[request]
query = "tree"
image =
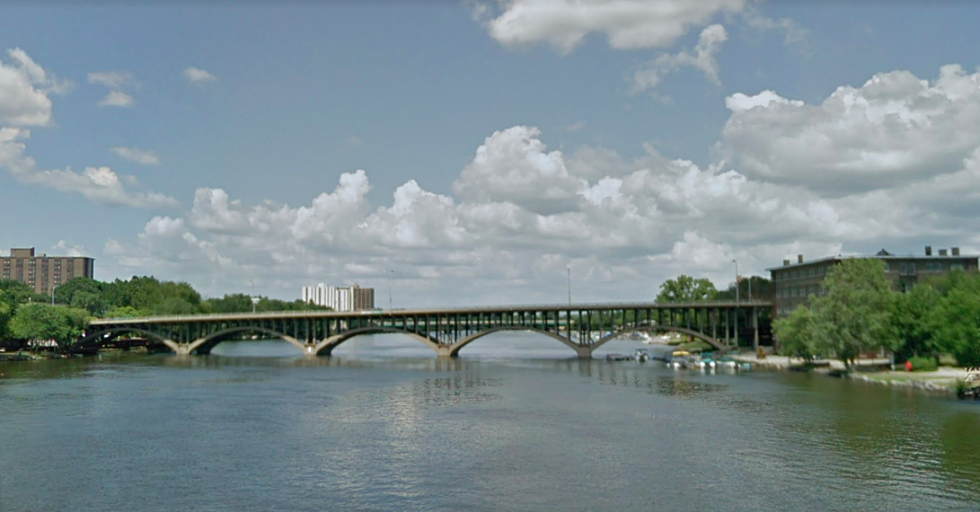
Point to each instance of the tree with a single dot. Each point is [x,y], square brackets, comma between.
[38,321]
[913,318]
[956,318]
[686,289]
[796,334]
[854,315]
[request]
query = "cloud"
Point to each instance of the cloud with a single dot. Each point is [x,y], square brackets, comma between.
[794,34]
[99,184]
[114,79]
[709,43]
[627,24]
[574,127]
[198,76]
[116,99]
[894,129]
[69,249]
[116,82]
[353,140]
[24,90]
[512,166]
[518,212]
[140,156]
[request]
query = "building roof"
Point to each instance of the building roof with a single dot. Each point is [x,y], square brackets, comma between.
[881,255]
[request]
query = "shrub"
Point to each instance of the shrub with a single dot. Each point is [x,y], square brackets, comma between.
[923,364]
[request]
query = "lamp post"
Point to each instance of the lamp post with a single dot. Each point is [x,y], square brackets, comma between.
[736,280]
[569,269]
[254,302]
[55,287]
[735,313]
[390,272]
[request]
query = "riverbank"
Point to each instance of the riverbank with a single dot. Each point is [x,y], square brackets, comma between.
[875,371]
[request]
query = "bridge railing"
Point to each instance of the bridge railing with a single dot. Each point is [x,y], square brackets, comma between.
[432,311]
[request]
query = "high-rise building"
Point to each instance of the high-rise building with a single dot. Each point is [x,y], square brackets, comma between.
[351,298]
[44,272]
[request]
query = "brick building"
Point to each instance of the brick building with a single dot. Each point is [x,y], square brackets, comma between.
[43,272]
[794,283]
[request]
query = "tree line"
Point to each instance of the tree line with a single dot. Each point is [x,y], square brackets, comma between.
[860,312]
[26,315]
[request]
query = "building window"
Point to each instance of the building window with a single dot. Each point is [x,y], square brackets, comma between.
[956,266]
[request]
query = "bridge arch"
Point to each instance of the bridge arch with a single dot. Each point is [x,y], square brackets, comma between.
[98,338]
[661,328]
[211,340]
[456,347]
[327,345]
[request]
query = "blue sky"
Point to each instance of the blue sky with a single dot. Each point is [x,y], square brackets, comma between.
[501,142]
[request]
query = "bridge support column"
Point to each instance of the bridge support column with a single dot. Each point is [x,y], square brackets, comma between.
[184,349]
[584,351]
[445,351]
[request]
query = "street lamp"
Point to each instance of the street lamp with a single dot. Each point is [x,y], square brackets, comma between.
[736,280]
[569,268]
[390,272]
[254,302]
[55,287]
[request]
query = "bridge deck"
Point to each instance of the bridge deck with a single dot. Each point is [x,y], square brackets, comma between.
[433,311]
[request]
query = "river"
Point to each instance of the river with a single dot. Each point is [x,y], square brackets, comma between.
[513,424]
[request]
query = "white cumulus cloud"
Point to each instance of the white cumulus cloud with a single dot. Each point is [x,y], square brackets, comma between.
[24,90]
[626,24]
[893,129]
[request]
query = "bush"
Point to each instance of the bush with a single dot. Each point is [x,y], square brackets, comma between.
[923,364]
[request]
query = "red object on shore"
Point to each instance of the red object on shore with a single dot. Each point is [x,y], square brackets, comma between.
[908,365]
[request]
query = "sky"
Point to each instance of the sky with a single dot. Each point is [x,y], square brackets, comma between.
[482,151]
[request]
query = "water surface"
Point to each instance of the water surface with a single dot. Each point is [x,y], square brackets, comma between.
[513,424]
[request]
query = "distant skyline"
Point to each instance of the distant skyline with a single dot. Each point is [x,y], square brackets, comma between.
[473,151]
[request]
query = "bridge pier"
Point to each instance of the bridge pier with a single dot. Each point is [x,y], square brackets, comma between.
[183,349]
[584,351]
[445,351]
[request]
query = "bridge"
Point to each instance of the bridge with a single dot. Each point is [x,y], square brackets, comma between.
[581,327]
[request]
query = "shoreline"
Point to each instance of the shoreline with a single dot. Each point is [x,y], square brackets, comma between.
[942,380]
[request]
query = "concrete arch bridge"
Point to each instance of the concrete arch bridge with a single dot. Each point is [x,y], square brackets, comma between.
[583,328]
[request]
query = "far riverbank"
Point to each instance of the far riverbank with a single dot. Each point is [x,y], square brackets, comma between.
[942,380]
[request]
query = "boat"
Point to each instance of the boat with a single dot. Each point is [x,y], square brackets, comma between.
[617,357]
[678,359]
[641,355]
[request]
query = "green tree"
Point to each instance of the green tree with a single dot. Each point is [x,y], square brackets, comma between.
[796,334]
[36,321]
[913,318]
[854,315]
[126,312]
[686,289]
[956,318]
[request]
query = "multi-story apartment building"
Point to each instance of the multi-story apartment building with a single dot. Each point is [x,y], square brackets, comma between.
[795,283]
[350,298]
[43,272]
